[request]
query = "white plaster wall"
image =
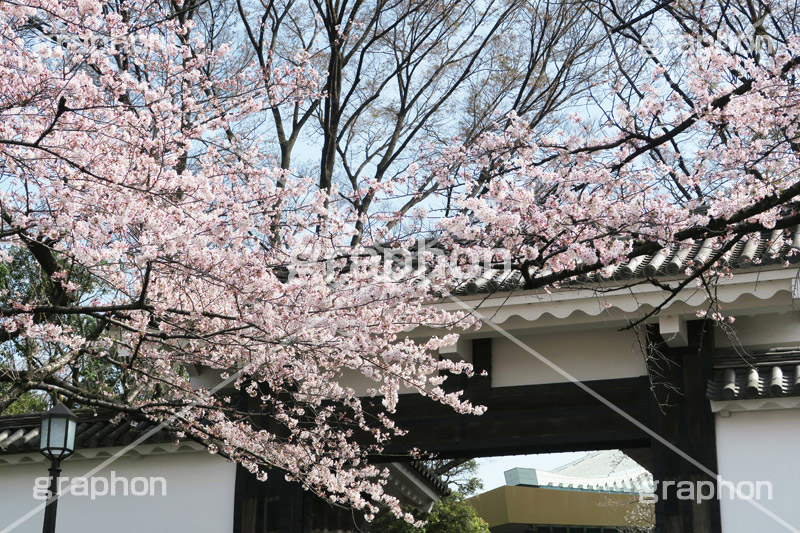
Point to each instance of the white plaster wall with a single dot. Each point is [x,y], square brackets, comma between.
[586,354]
[199,496]
[757,446]
[769,330]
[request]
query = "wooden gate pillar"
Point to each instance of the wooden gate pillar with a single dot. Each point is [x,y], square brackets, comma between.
[682,415]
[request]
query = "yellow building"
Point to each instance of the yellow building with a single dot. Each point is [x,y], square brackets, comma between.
[597,493]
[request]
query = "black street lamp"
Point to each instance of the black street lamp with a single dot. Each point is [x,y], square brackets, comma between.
[56,442]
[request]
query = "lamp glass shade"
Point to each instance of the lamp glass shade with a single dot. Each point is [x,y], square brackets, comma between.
[57,434]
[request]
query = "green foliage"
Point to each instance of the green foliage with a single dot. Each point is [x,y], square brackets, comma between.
[27,403]
[460,474]
[23,282]
[454,515]
[449,515]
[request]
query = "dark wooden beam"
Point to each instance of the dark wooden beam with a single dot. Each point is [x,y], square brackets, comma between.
[527,419]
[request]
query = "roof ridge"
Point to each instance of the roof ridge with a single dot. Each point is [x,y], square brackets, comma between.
[759,249]
[33,418]
[557,469]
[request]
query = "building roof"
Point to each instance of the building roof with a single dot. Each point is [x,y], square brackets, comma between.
[602,471]
[431,478]
[764,248]
[771,374]
[599,463]
[20,433]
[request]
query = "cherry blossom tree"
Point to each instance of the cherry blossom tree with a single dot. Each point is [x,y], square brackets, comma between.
[121,167]
[156,220]
[693,142]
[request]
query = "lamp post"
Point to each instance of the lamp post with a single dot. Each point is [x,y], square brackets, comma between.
[56,442]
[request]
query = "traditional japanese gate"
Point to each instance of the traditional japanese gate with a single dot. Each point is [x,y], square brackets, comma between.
[562,417]
[655,381]
[662,394]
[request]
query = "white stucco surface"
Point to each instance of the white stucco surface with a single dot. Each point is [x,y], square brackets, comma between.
[755,446]
[199,496]
[770,330]
[586,355]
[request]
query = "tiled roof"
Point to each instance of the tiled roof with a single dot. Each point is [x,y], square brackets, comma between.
[430,477]
[20,433]
[602,471]
[765,248]
[771,374]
